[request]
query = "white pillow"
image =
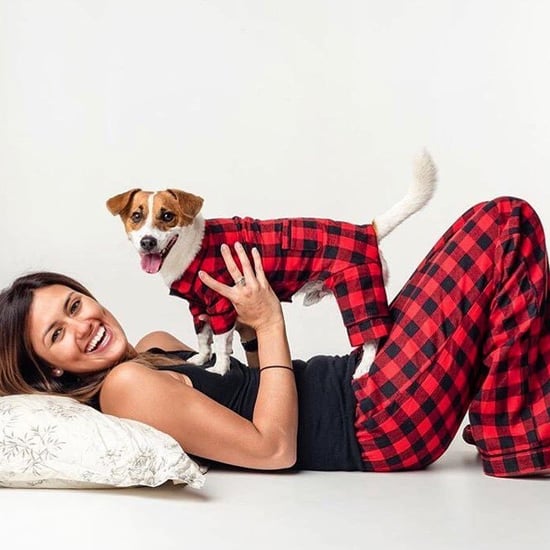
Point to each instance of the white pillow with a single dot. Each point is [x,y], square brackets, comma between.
[57,442]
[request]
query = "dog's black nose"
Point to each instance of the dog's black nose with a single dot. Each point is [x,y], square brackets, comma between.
[148,243]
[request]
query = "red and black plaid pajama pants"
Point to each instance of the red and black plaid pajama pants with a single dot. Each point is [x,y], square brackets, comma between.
[471,331]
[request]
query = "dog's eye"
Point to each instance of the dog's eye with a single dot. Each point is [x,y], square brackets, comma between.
[136,217]
[167,216]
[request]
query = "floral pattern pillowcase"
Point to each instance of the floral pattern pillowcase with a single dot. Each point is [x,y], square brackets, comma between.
[57,442]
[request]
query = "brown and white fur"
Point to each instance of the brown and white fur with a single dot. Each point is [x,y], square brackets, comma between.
[167,225]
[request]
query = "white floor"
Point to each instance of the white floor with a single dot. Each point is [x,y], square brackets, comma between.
[450,505]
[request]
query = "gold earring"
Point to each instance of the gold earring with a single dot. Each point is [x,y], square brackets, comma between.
[56,373]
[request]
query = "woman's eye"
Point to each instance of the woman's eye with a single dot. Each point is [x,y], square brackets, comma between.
[74,306]
[56,334]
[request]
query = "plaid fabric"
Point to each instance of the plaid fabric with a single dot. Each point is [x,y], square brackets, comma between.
[471,329]
[295,251]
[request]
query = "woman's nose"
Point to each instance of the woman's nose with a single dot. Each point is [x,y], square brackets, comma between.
[81,327]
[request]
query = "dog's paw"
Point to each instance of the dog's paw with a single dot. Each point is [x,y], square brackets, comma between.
[199,359]
[221,366]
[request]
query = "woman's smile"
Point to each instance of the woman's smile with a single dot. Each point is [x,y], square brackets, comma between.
[100,340]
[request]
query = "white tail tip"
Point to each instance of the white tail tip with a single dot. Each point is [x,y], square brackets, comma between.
[419,193]
[425,175]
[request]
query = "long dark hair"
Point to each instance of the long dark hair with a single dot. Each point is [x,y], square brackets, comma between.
[22,371]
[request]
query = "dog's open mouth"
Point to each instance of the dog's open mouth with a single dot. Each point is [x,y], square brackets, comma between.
[152,262]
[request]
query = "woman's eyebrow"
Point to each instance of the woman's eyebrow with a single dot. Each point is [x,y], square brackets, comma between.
[65,308]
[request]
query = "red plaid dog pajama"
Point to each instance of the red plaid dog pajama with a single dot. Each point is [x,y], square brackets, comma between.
[471,330]
[295,251]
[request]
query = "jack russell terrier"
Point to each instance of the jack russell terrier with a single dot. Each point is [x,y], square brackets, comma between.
[312,256]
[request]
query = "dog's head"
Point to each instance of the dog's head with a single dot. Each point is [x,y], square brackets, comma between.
[154,221]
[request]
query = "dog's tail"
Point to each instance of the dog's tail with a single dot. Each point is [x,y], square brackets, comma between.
[420,192]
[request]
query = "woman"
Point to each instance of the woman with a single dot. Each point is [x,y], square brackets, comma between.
[471,330]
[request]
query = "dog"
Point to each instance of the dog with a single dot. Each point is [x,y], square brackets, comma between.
[311,256]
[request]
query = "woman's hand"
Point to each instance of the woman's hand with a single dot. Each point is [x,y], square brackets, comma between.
[252,296]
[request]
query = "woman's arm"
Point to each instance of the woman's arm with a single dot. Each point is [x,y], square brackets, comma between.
[276,408]
[202,426]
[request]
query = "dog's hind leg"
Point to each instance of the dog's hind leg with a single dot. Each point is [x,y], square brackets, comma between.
[369,353]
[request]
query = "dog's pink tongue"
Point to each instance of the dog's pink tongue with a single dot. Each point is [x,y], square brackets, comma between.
[151,263]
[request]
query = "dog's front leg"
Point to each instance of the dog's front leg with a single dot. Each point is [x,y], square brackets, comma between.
[205,346]
[369,353]
[223,348]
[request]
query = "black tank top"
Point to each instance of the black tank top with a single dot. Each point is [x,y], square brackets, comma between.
[326,434]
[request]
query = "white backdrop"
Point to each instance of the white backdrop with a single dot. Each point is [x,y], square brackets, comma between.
[264,108]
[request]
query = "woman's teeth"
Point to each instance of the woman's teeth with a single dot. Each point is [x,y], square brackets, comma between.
[96,339]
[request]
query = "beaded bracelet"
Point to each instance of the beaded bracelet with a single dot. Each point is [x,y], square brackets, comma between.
[276,367]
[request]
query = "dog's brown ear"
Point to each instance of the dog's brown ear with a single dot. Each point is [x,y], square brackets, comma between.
[189,203]
[119,203]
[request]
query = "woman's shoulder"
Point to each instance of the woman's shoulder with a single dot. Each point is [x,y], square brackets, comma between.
[162,340]
[130,383]
[123,379]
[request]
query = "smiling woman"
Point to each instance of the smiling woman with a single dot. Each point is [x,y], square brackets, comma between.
[470,332]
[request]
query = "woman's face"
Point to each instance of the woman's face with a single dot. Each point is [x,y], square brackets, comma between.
[74,332]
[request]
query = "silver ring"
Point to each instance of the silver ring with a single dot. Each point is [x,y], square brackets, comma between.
[241,281]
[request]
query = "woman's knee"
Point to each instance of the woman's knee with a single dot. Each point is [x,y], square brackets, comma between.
[513,206]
